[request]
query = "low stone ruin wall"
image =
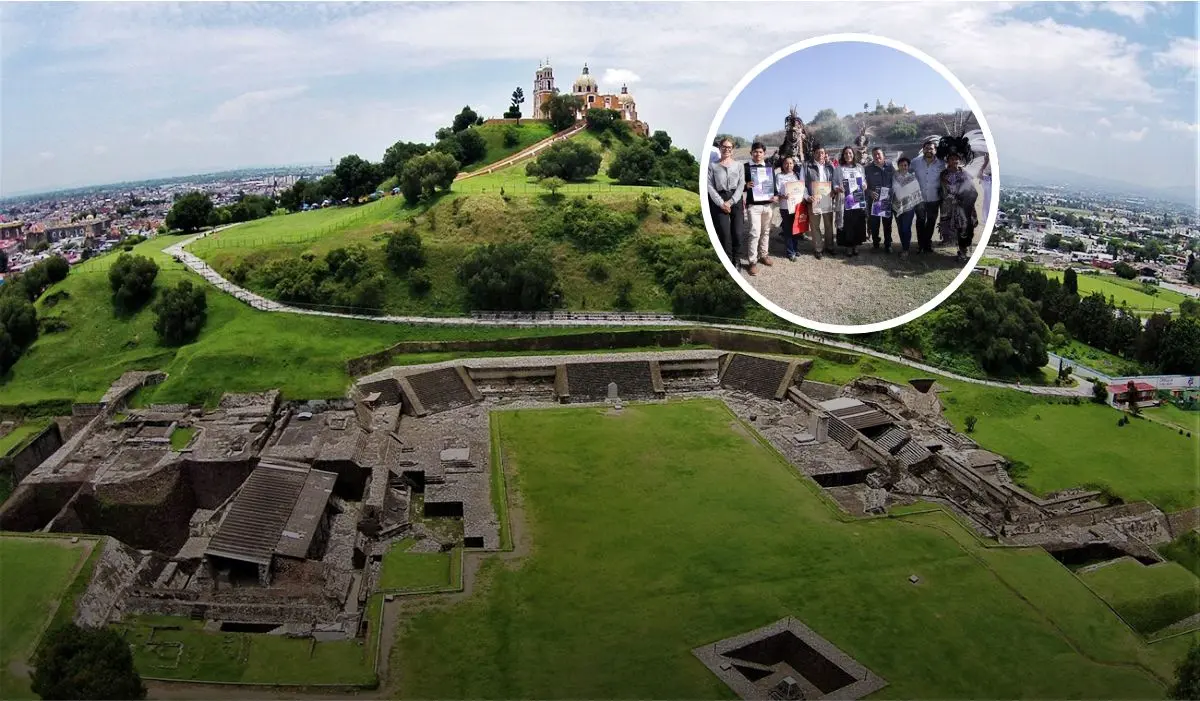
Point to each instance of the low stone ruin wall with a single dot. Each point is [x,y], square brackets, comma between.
[156,520]
[32,506]
[36,450]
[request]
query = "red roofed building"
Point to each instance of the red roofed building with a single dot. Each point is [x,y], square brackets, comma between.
[1142,392]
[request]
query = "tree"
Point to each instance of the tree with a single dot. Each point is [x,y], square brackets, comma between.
[634,164]
[85,663]
[1187,675]
[971,421]
[660,141]
[1131,392]
[1150,341]
[464,119]
[1071,281]
[553,185]
[1189,307]
[1051,241]
[590,226]
[404,251]
[472,147]
[599,120]
[3,262]
[1180,349]
[562,110]
[132,281]
[903,131]
[831,133]
[356,177]
[398,154]
[18,317]
[419,283]
[1099,392]
[424,175]
[572,160]
[704,288]
[190,212]
[1125,270]
[1001,329]
[512,137]
[181,312]
[514,110]
[824,115]
[738,142]
[510,277]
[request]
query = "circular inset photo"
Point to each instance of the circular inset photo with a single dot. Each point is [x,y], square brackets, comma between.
[849,183]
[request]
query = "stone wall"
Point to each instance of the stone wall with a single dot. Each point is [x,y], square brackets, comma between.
[157,520]
[212,482]
[32,506]
[36,450]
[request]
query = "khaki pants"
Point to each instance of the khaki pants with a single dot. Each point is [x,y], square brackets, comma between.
[760,216]
[821,228]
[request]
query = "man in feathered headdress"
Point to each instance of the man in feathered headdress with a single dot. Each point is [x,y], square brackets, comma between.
[959,194]
[928,170]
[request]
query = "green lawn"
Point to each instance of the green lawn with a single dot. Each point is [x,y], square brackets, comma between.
[661,529]
[1149,598]
[529,132]
[1064,445]
[407,571]
[1187,420]
[180,437]
[1096,359]
[1125,291]
[1185,550]
[190,653]
[23,431]
[35,574]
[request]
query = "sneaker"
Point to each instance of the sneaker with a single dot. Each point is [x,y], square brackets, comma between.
[753,269]
[791,257]
[766,260]
[887,249]
[818,255]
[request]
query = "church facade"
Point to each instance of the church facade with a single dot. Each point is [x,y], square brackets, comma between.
[588,92]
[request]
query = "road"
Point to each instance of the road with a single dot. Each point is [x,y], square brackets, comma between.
[179,252]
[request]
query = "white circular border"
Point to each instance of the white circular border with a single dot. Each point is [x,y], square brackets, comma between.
[990,215]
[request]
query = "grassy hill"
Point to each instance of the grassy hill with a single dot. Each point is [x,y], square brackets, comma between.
[529,132]
[504,206]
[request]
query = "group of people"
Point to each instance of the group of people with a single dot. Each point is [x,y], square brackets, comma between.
[841,203]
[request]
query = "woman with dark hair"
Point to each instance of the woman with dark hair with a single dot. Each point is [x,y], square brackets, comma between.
[905,209]
[851,191]
[726,185]
[787,208]
[959,195]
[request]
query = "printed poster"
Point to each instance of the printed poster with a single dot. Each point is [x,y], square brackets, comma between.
[763,182]
[853,187]
[822,197]
[882,207]
[795,192]
[906,193]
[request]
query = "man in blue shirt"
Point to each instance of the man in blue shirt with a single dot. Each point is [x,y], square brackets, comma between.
[928,170]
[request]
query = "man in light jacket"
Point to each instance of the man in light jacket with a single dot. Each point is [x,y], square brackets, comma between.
[928,169]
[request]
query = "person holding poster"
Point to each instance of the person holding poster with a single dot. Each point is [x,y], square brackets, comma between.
[786,181]
[726,188]
[851,190]
[879,186]
[959,195]
[928,170]
[906,197]
[818,182]
[760,206]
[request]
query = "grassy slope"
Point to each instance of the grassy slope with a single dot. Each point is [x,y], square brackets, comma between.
[19,434]
[1187,420]
[473,214]
[35,573]
[1096,359]
[1064,445]
[1148,597]
[631,569]
[240,349]
[528,133]
[1121,292]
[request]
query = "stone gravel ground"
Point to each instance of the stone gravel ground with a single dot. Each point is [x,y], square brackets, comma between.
[871,287]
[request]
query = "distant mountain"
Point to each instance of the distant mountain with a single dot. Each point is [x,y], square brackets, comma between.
[1019,172]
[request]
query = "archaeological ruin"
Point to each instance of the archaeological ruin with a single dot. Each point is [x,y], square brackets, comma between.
[278,512]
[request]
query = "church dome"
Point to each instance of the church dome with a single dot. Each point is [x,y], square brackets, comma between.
[585,82]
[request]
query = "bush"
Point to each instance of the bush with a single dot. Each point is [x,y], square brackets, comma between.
[570,160]
[903,131]
[1099,392]
[132,281]
[423,176]
[624,299]
[85,663]
[635,164]
[642,209]
[591,227]
[971,421]
[419,283]
[510,277]
[190,212]
[404,251]
[597,271]
[511,137]
[181,313]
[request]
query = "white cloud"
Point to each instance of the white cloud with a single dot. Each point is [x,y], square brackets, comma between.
[1179,125]
[251,103]
[1131,135]
[99,150]
[1180,53]
[1103,121]
[46,155]
[1135,11]
[616,77]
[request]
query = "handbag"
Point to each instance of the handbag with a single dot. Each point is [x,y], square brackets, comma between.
[800,221]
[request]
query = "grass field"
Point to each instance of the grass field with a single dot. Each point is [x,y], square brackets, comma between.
[1064,445]
[35,574]
[23,431]
[1187,420]
[1185,550]
[189,653]
[529,132]
[632,568]
[1125,291]
[240,349]
[1096,359]
[407,571]
[1149,598]
[180,437]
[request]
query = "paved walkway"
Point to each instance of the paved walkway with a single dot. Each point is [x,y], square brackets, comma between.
[178,251]
[527,152]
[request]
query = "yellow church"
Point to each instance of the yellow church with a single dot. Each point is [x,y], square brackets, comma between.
[586,89]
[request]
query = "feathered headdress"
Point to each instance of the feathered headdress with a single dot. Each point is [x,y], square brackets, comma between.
[958,141]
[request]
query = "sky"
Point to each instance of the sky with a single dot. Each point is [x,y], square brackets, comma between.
[879,72]
[97,92]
